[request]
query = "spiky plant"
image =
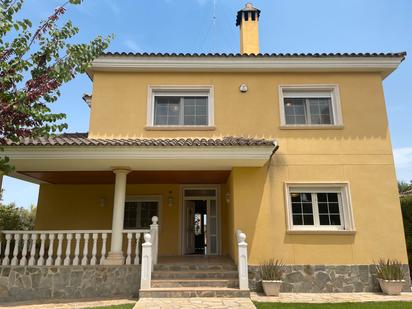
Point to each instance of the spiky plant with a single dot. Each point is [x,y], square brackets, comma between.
[390,270]
[272,270]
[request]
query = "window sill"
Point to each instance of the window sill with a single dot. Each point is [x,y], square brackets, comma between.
[180,128]
[320,232]
[311,127]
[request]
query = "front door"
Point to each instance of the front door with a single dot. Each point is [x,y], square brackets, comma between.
[201,221]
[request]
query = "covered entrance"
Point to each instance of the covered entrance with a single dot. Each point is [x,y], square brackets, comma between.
[200,229]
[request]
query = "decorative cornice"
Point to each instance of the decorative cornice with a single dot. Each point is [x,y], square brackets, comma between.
[127,63]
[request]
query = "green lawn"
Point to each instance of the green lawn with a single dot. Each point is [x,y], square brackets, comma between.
[126,306]
[380,305]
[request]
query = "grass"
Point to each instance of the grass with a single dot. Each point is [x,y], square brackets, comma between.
[125,306]
[369,305]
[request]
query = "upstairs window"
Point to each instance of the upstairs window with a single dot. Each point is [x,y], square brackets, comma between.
[174,107]
[181,111]
[310,106]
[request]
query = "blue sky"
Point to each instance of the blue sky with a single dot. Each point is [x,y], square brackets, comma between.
[285,26]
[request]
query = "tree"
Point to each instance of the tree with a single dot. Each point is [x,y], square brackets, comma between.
[403,186]
[33,65]
[16,218]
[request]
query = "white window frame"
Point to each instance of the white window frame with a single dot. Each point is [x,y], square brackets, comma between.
[345,206]
[311,91]
[146,198]
[180,90]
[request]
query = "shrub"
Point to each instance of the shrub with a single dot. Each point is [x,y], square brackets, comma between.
[272,270]
[406,206]
[390,270]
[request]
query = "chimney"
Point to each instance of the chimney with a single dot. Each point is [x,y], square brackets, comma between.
[248,21]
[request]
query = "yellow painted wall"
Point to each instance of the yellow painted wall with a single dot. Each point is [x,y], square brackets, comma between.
[359,153]
[249,37]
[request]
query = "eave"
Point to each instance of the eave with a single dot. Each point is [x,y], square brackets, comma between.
[120,63]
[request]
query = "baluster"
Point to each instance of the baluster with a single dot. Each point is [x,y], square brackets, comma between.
[23,259]
[69,238]
[32,259]
[77,250]
[137,250]
[94,249]
[85,248]
[15,249]
[58,259]
[103,256]
[6,259]
[129,248]
[40,261]
[49,260]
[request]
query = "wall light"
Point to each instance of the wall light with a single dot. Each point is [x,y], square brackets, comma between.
[102,202]
[170,199]
[228,197]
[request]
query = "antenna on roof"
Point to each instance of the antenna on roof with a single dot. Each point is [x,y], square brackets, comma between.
[214,36]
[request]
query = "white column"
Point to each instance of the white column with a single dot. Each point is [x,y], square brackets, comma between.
[154,232]
[242,261]
[115,256]
[146,269]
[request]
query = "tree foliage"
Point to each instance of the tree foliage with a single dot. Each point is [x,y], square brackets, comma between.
[16,218]
[403,186]
[34,63]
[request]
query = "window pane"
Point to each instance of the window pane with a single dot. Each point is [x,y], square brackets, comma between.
[324,219]
[167,110]
[138,215]
[297,220]
[320,110]
[328,206]
[195,110]
[295,111]
[302,209]
[307,220]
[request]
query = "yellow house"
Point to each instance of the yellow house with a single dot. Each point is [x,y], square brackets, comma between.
[291,151]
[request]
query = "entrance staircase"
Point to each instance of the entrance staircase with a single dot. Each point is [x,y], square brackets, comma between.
[195,277]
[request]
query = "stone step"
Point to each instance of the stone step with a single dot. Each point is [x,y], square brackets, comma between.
[200,266]
[198,274]
[225,283]
[193,292]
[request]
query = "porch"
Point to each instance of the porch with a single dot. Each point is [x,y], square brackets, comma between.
[132,203]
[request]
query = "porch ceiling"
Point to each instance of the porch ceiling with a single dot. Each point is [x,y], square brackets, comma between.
[134,177]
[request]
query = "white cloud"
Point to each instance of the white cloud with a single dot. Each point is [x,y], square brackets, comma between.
[403,157]
[132,45]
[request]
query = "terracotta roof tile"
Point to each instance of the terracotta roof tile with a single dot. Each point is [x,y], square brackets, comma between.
[81,139]
[262,55]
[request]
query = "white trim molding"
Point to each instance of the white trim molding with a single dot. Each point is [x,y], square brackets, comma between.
[180,90]
[383,65]
[347,225]
[307,91]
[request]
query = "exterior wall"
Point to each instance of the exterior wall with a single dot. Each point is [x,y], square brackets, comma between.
[359,153]
[20,283]
[72,207]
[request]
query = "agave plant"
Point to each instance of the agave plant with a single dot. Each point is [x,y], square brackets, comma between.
[272,270]
[390,270]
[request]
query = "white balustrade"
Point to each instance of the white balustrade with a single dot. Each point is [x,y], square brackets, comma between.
[47,248]
[242,260]
[49,260]
[85,249]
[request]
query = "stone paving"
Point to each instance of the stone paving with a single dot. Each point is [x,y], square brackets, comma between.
[330,297]
[196,302]
[66,304]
